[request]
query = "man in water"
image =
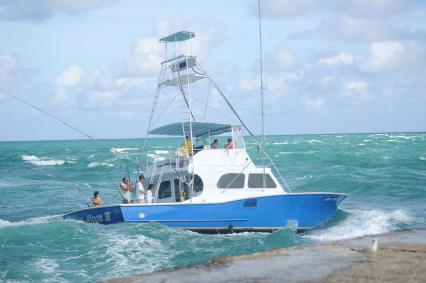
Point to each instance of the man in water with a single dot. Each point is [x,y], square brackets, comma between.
[140,192]
[126,189]
[96,199]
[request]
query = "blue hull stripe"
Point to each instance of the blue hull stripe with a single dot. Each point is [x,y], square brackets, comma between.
[296,211]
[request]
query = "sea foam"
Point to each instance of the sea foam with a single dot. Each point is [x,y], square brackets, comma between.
[96,164]
[361,223]
[43,161]
[30,221]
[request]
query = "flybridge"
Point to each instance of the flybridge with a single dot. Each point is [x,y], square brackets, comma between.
[178,36]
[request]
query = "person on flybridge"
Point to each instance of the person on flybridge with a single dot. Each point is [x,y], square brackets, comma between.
[186,146]
[230,144]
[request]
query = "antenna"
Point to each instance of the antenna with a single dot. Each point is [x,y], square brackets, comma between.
[261,96]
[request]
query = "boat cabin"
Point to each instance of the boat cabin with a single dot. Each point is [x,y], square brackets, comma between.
[212,174]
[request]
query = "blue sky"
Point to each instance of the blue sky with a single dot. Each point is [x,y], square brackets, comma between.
[330,66]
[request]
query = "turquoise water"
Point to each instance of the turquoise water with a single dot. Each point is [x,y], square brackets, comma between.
[383,174]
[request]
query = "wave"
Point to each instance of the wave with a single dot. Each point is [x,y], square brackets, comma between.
[280,143]
[30,221]
[315,141]
[158,152]
[422,158]
[97,163]
[43,161]
[123,149]
[361,223]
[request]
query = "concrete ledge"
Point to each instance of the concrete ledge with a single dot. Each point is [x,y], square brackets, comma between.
[400,257]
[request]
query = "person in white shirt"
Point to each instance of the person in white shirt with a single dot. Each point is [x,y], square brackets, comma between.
[140,192]
[149,193]
[126,189]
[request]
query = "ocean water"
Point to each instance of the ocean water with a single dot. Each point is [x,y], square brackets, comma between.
[383,174]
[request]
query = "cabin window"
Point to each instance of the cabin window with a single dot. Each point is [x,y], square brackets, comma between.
[231,181]
[256,180]
[198,184]
[165,190]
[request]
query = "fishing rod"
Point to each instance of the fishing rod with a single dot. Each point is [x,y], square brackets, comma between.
[79,192]
[70,126]
[67,124]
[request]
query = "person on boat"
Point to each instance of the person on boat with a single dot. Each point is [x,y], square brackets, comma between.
[213,145]
[149,193]
[140,192]
[96,199]
[186,146]
[126,189]
[230,144]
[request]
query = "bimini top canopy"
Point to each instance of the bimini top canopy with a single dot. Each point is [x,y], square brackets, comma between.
[179,36]
[199,129]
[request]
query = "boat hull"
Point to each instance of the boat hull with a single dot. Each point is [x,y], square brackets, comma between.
[268,213]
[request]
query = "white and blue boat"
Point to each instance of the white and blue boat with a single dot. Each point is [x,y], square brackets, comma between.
[212,190]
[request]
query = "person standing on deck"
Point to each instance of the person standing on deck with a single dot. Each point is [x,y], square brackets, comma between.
[149,193]
[140,192]
[126,189]
[213,145]
[96,199]
[186,146]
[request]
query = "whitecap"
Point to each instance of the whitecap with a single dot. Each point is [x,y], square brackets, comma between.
[361,223]
[96,164]
[158,152]
[30,221]
[44,161]
[122,149]
[315,141]
[422,158]
[46,265]
[280,143]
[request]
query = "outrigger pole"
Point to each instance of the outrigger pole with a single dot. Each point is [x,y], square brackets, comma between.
[261,96]
[66,124]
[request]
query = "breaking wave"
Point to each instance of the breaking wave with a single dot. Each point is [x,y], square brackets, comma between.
[43,161]
[123,149]
[30,221]
[97,163]
[361,223]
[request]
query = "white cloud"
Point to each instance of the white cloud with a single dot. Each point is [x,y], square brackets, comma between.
[314,103]
[369,7]
[393,56]
[356,89]
[280,58]
[341,58]
[144,59]
[42,9]
[288,8]
[70,77]
[98,99]
[273,82]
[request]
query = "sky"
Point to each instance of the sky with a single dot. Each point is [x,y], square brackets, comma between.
[329,66]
